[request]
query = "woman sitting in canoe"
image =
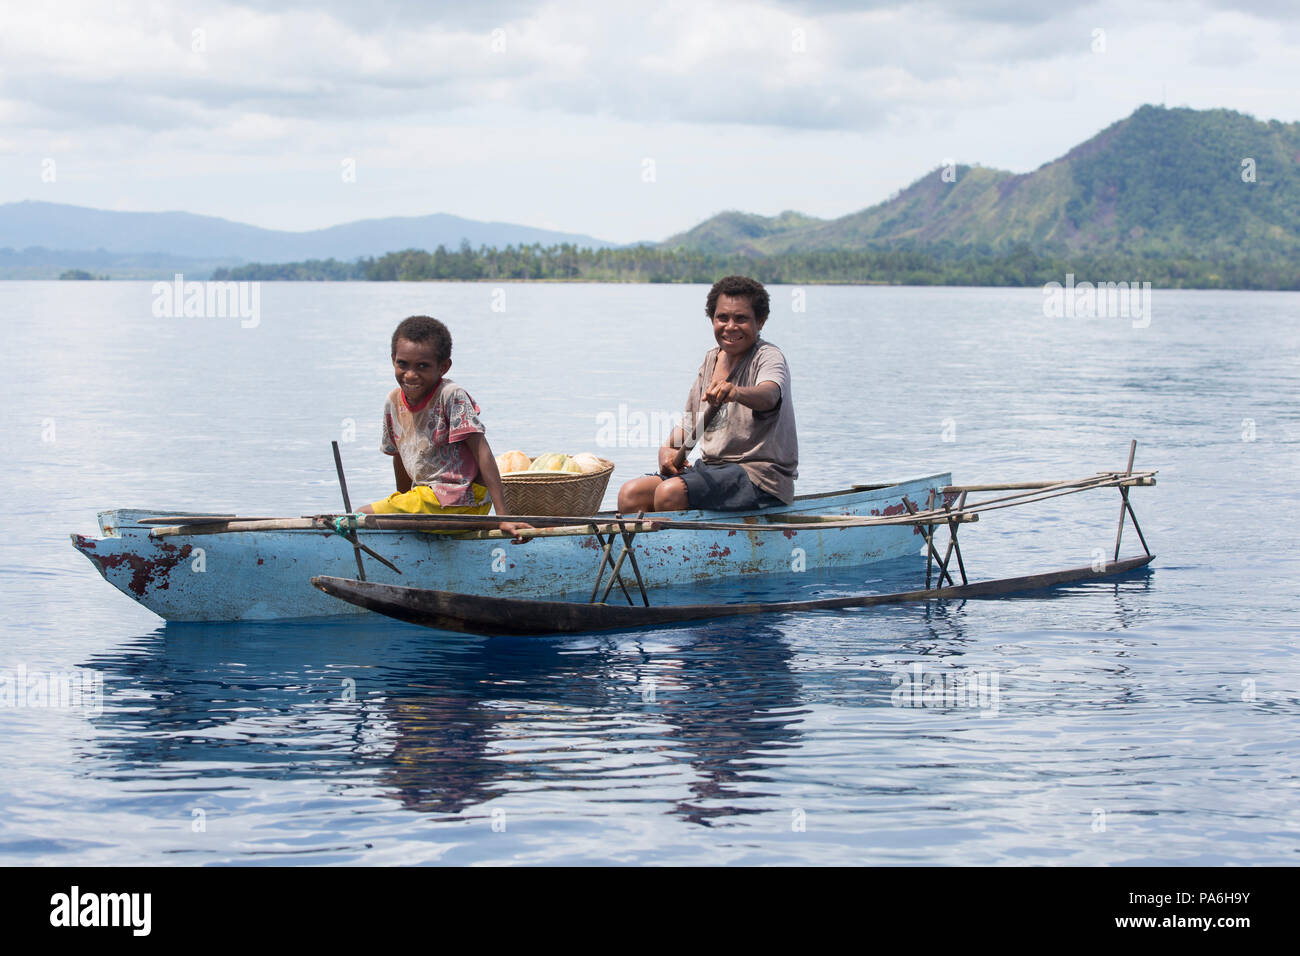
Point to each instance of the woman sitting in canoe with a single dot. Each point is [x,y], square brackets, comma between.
[750,455]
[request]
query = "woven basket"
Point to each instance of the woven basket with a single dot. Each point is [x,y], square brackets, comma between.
[555,492]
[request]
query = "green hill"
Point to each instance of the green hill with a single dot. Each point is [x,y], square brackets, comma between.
[734,231]
[1162,182]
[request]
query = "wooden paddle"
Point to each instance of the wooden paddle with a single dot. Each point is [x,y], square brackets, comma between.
[703,419]
[347,504]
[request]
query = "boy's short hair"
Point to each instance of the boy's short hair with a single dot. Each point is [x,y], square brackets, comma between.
[424,330]
[744,287]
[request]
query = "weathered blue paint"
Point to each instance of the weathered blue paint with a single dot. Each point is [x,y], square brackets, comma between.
[264,575]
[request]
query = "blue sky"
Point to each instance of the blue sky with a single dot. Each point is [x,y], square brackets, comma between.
[624,121]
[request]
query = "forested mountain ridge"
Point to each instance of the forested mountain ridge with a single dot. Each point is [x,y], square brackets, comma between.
[1168,182]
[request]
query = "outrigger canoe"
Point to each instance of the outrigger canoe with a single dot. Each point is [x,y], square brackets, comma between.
[498,615]
[186,566]
[457,572]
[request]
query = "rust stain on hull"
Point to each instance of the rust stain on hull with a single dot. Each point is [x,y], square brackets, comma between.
[144,571]
[898,509]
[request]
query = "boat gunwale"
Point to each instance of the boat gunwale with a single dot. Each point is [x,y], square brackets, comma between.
[111,518]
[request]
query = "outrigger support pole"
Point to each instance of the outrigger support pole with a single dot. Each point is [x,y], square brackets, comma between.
[1127,508]
[606,545]
[928,532]
[615,575]
[953,525]
[631,553]
[931,552]
[628,551]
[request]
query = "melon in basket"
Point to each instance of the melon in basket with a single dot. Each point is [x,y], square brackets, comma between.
[513,461]
[554,461]
[588,462]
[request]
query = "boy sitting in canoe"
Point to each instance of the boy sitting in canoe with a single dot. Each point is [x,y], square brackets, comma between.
[750,454]
[432,430]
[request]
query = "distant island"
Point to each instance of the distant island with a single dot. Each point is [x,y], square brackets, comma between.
[1180,198]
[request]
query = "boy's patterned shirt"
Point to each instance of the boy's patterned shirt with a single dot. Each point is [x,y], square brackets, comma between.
[431,440]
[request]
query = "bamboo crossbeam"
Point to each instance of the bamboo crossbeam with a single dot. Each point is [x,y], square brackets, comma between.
[481,527]
[249,524]
[833,522]
[1012,501]
[1137,478]
[560,531]
[487,528]
[484,526]
[1068,487]
[807,519]
[427,522]
[1030,497]
[777,521]
[823,522]
[643,524]
[650,524]
[200,519]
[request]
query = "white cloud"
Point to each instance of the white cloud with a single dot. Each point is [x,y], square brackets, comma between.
[252,118]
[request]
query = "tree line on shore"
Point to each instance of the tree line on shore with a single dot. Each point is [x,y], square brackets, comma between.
[933,264]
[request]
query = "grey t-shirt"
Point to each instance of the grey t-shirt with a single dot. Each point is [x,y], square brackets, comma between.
[763,443]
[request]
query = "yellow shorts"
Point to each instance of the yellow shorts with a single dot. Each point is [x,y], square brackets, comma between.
[421,500]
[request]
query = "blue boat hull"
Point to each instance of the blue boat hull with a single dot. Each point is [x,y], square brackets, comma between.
[265,575]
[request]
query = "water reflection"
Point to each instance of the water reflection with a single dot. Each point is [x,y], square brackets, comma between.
[735,703]
[700,718]
[441,722]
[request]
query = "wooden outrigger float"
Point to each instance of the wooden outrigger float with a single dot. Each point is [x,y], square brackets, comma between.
[949,509]
[474,614]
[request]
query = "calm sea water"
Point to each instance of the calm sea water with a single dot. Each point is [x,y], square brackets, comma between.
[1148,721]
